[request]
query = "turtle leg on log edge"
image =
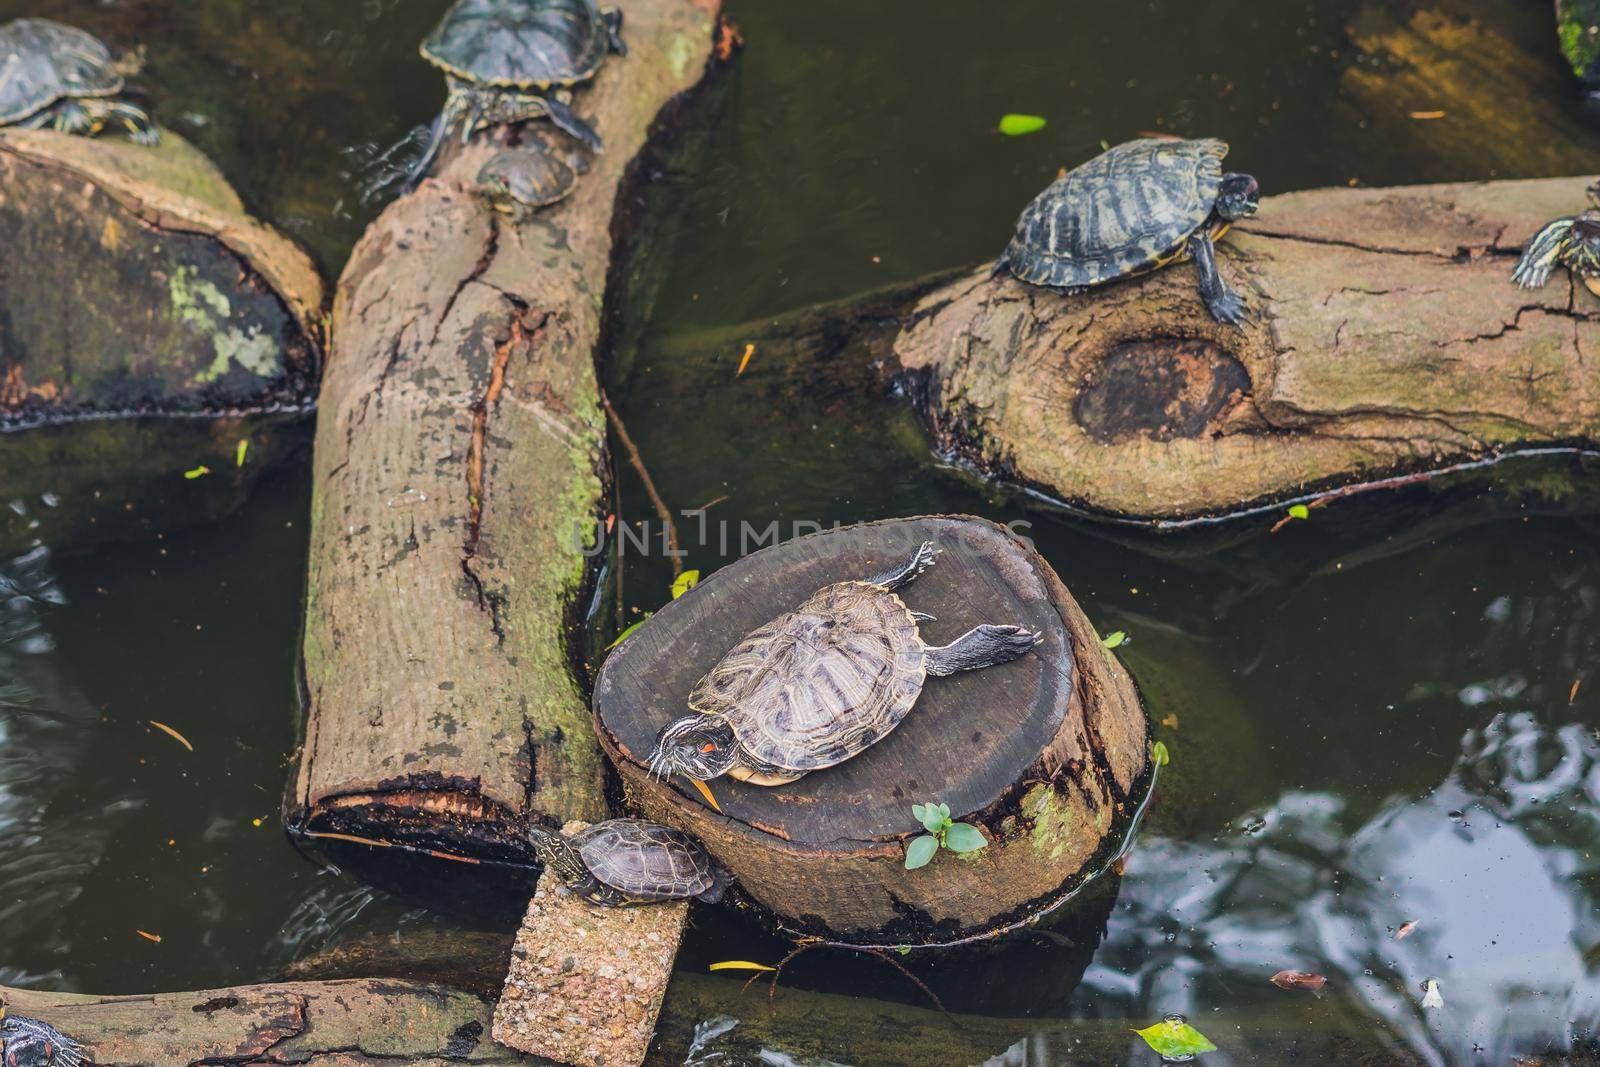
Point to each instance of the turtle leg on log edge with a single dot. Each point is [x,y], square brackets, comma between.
[988,645]
[897,577]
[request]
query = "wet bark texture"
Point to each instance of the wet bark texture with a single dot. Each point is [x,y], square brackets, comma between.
[1042,752]
[356,1022]
[134,283]
[1386,336]
[458,474]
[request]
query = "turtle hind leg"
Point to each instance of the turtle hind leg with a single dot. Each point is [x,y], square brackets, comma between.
[1543,253]
[895,577]
[720,881]
[613,21]
[1225,305]
[567,120]
[133,119]
[982,646]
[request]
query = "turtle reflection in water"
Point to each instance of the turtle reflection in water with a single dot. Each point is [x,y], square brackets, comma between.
[59,77]
[510,61]
[1572,241]
[1134,209]
[28,1042]
[820,684]
[630,861]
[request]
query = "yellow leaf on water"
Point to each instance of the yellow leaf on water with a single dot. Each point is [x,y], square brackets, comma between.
[197,472]
[684,582]
[1171,721]
[749,350]
[1425,115]
[239,453]
[739,965]
[148,936]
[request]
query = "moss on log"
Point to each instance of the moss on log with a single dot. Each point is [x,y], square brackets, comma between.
[1043,752]
[458,471]
[134,283]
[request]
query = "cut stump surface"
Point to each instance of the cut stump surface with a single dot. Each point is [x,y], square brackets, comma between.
[1041,752]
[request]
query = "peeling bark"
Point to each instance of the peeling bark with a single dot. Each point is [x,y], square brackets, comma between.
[1042,753]
[458,475]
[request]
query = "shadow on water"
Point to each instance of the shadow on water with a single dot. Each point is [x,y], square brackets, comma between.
[1382,715]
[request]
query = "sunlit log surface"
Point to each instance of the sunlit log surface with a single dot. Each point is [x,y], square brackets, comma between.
[458,472]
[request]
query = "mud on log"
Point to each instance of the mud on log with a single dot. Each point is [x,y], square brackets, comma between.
[458,470]
[1043,752]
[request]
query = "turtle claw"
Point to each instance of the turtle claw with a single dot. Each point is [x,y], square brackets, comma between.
[1228,308]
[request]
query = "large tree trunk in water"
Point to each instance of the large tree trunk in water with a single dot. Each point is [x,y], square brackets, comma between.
[1043,753]
[458,474]
[1386,340]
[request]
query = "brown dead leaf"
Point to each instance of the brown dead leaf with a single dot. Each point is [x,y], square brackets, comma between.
[170,732]
[1171,721]
[1298,980]
[1427,115]
[1405,928]
[1119,865]
[148,936]
[729,39]
[1572,697]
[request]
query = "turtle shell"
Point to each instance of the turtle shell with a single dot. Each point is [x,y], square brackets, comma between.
[646,860]
[43,61]
[1128,210]
[817,685]
[534,178]
[519,44]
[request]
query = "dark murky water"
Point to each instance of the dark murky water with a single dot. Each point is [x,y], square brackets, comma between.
[1377,717]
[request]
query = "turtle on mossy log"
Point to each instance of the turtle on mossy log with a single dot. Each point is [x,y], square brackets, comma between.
[1044,754]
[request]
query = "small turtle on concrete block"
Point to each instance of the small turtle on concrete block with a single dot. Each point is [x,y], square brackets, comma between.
[585,984]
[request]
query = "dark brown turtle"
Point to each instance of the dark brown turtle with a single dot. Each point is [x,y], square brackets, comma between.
[630,861]
[820,684]
[519,181]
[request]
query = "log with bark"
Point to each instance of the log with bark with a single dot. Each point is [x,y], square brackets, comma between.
[1043,753]
[458,474]
[1387,340]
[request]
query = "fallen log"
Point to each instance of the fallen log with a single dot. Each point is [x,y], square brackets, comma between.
[133,283]
[458,474]
[1043,753]
[1387,341]
[377,1021]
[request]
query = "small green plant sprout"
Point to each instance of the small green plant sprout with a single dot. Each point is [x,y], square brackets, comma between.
[1115,639]
[684,582]
[241,451]
[958,837]
[1174,1039]
[1159,754]
[1014,125]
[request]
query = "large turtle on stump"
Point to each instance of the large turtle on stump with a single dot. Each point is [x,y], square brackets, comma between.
[62,78]
[630,861]
[509,61]
[820,684]
[1130,210]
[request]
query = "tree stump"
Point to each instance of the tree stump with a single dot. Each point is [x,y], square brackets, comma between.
[133,283]
[1042,753]
[458,478]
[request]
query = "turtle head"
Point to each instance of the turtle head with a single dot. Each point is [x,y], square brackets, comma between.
[1583,251]
[699,747]
[556,853]
[1238,197]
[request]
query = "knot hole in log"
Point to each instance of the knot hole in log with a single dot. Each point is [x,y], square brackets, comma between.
[1160,388]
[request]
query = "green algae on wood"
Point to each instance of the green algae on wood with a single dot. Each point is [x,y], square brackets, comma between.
[134,284]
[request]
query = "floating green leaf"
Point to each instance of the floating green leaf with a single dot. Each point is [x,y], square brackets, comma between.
[684,582]
[964,837]
[1159,755]
[1105,145]
[1299,511]
[623,636]
[1173,1038]
[239,452]
[1114,639]
[920,851]
[197,472]
[1014,125]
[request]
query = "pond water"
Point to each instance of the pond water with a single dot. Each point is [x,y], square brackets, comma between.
[1384,716]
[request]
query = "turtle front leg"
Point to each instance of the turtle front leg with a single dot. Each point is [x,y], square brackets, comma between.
[1224,304]
[895,577]
[1543,253]
[141,130]
[68,116]
[613,20]
[567,119]
[982,646]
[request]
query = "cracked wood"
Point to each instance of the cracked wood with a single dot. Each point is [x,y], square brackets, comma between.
[458,474]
